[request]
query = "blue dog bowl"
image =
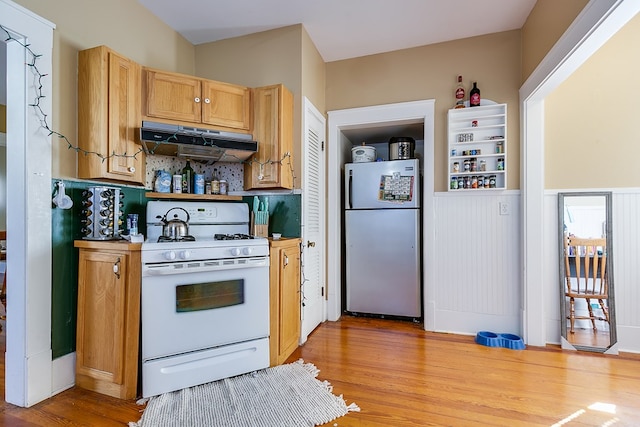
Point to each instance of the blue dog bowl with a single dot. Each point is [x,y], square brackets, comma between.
[489,339]
[512,341]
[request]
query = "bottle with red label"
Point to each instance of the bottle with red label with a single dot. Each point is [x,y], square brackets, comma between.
[460,94]
[474,96]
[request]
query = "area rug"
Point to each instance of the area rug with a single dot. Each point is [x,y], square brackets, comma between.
[285,395]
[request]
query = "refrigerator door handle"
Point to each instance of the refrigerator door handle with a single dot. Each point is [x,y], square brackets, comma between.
[350,189]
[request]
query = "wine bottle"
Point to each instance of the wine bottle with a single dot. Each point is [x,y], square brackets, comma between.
[459,94]
[187,178]
[474,96]
[215,182]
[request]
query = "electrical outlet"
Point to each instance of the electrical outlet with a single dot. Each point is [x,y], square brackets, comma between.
[504,208]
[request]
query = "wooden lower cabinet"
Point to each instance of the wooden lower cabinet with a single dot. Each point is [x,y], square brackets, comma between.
[285,298]
[108,326]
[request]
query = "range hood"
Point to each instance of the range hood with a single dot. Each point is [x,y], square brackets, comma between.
[196,143]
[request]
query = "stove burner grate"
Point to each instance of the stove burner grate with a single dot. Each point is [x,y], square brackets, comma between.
[163,239]
[237,236]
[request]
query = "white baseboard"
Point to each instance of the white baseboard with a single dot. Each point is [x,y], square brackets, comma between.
[63,373]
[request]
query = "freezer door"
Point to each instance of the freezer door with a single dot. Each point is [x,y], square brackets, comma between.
[382,185]
[383,262]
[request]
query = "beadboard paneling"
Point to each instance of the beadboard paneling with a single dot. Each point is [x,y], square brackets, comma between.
[478,274]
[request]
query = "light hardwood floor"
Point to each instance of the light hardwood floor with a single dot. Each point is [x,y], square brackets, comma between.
[400,375]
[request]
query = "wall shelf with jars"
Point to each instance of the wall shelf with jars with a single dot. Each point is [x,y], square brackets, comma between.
[477,154]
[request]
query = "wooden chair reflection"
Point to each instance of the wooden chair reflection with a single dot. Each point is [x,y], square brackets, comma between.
[586,278]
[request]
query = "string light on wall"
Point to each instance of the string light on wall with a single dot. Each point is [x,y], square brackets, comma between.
[39,77]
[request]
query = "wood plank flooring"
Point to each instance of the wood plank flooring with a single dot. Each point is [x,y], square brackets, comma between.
[400,375]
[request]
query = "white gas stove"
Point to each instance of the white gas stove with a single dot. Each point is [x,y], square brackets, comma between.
[205,297]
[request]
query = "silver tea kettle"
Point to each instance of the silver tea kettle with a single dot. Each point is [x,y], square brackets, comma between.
[174,228]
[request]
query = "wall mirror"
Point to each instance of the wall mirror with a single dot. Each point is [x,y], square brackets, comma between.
[587,303]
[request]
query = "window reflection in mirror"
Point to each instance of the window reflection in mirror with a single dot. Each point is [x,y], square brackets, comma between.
[588,301]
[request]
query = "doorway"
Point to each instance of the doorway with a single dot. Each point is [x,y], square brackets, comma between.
[28,378]
[343,122]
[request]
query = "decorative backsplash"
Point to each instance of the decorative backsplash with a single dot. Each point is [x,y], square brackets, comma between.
[233,173]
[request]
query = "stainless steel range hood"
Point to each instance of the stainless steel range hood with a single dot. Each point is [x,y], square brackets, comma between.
[196,143]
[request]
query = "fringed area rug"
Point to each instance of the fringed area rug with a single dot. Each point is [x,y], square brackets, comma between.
[285,395]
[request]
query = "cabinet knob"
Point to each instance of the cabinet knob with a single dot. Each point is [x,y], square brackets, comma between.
[132,169]
[116,268]
[311,244]
[207,101]
[197,99]
[285,261]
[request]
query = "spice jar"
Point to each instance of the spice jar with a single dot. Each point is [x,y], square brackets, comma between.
[454,183]
[483,165]
[474,164]
[467,165]
[500,165]
[456,167]
[492,181]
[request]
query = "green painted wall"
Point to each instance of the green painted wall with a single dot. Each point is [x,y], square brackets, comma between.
[285,213]
[64,260]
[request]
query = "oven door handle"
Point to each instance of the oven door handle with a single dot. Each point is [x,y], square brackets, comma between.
[183,268]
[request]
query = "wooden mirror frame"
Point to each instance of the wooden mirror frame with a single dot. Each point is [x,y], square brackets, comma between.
[566,345]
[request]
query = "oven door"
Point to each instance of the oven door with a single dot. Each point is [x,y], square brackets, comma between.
[192,309]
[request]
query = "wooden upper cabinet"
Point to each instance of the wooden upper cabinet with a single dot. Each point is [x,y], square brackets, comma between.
[188,100]
[172,96]
[109,117]
[226,105]
[272,165]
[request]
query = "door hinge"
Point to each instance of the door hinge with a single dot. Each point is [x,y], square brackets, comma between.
[322,146]
[322,291]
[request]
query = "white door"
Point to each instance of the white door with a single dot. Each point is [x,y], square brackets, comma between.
[313,221]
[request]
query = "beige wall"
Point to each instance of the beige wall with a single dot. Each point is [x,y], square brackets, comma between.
[546,23]
[591,120]
[429,72]
[123,25]
[313,73]
[282,55]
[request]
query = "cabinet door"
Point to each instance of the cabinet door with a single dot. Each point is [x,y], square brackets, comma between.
[124,117]
[108,117]
[100,341]
[272,165]
[226,105]
[284,299]
[289,301]
[173,96]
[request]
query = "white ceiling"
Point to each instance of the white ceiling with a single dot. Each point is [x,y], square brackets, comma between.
[343,29]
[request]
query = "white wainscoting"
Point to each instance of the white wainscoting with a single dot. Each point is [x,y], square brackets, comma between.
[626,266]
[478,278]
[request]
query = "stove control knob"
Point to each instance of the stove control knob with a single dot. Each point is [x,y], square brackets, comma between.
[170,255]
[235,251]
[247,251]
[185,254]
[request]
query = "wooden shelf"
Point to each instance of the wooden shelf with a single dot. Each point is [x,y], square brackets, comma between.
[184,196]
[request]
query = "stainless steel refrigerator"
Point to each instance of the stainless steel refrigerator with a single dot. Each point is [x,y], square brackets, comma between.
[382,233]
